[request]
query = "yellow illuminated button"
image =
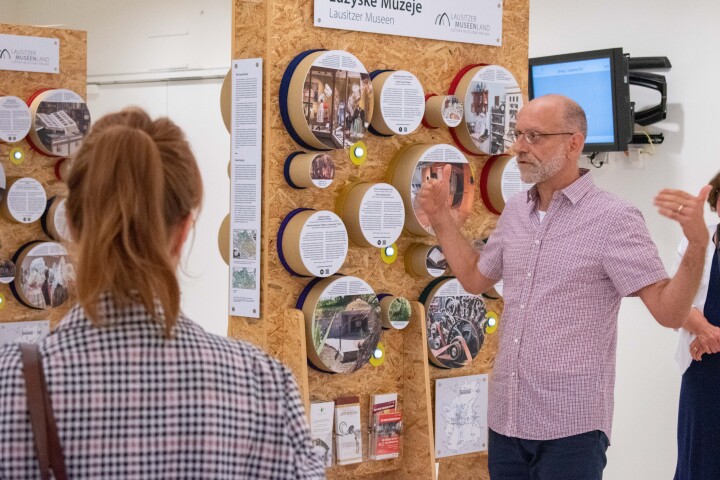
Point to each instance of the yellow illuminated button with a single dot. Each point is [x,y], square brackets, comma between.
[491,322]
[358,153]
[17,156]
[389,254]
[378,356]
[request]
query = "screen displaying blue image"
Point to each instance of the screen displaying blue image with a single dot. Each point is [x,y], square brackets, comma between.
[589,83]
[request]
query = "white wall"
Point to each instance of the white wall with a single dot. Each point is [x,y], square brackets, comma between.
[133,36]
[161,38]
[643,444]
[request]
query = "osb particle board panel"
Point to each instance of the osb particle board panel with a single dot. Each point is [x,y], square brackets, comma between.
[278,31]
[73,76]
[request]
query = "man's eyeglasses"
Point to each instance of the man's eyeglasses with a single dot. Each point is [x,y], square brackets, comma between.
[532,137]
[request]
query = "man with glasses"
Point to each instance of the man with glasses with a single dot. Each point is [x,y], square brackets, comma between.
[567,253]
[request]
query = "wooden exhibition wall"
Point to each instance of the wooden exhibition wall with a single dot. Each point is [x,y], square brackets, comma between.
[72,76]
[277,31]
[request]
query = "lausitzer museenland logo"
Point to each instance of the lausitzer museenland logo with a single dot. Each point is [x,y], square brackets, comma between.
[4,53]
[442,19]
[462,23]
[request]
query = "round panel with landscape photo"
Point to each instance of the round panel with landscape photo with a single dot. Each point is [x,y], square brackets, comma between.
[396,312]
[417,164]
[330,101]
[455,323]
[44,275]
[343,323]
[491,101]
[60,121]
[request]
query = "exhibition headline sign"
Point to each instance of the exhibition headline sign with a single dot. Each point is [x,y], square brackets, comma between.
[467,21]
[29,54]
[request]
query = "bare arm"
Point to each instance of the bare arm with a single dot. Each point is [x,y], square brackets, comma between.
[459,253]
[708,335]
[669,301]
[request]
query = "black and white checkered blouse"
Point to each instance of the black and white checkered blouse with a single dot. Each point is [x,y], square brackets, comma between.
[130,403]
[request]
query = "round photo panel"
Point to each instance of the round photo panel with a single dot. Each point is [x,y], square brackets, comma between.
[500,180]
[327,99]
[491,100]
[14,119]
[54,220]
[417,164]
[24,200]
[44,275]
[308,170]
[7,271]
[443,111]
[426,260]
[396,311]
[399,103]
[455,323]
[373,213]
[312,243]
[342,323]
[60,121]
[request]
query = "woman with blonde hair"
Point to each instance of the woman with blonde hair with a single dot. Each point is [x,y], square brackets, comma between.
[137,389]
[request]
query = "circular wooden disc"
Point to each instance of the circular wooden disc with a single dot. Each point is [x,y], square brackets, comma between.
[226,100]
[342,323]
[15,123]
[491,100]
[372,212]
[416,164]
[500,180]
[329,107]
[396,312]
[54,220]
[224,239]
[24,200]
[443,111]
[3,183]
[60,121]
[399,103]
[62,169]
[314,243]
[44,275]
[455,322]
[309,170]
[7,271]
[424,260]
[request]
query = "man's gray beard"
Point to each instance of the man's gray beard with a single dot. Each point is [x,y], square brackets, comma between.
[542,171]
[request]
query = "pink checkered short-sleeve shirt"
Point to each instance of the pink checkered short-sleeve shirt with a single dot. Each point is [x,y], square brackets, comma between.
[563,280]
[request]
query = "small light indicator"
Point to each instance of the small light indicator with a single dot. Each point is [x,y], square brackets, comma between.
[378,353]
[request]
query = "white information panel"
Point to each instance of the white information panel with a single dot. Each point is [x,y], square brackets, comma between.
[323,244]
[402,102]
[14,119]
[246,187]
[29,54]
[511,181]
[467,21]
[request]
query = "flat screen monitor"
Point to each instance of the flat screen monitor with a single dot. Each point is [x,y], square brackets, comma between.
[598,81]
